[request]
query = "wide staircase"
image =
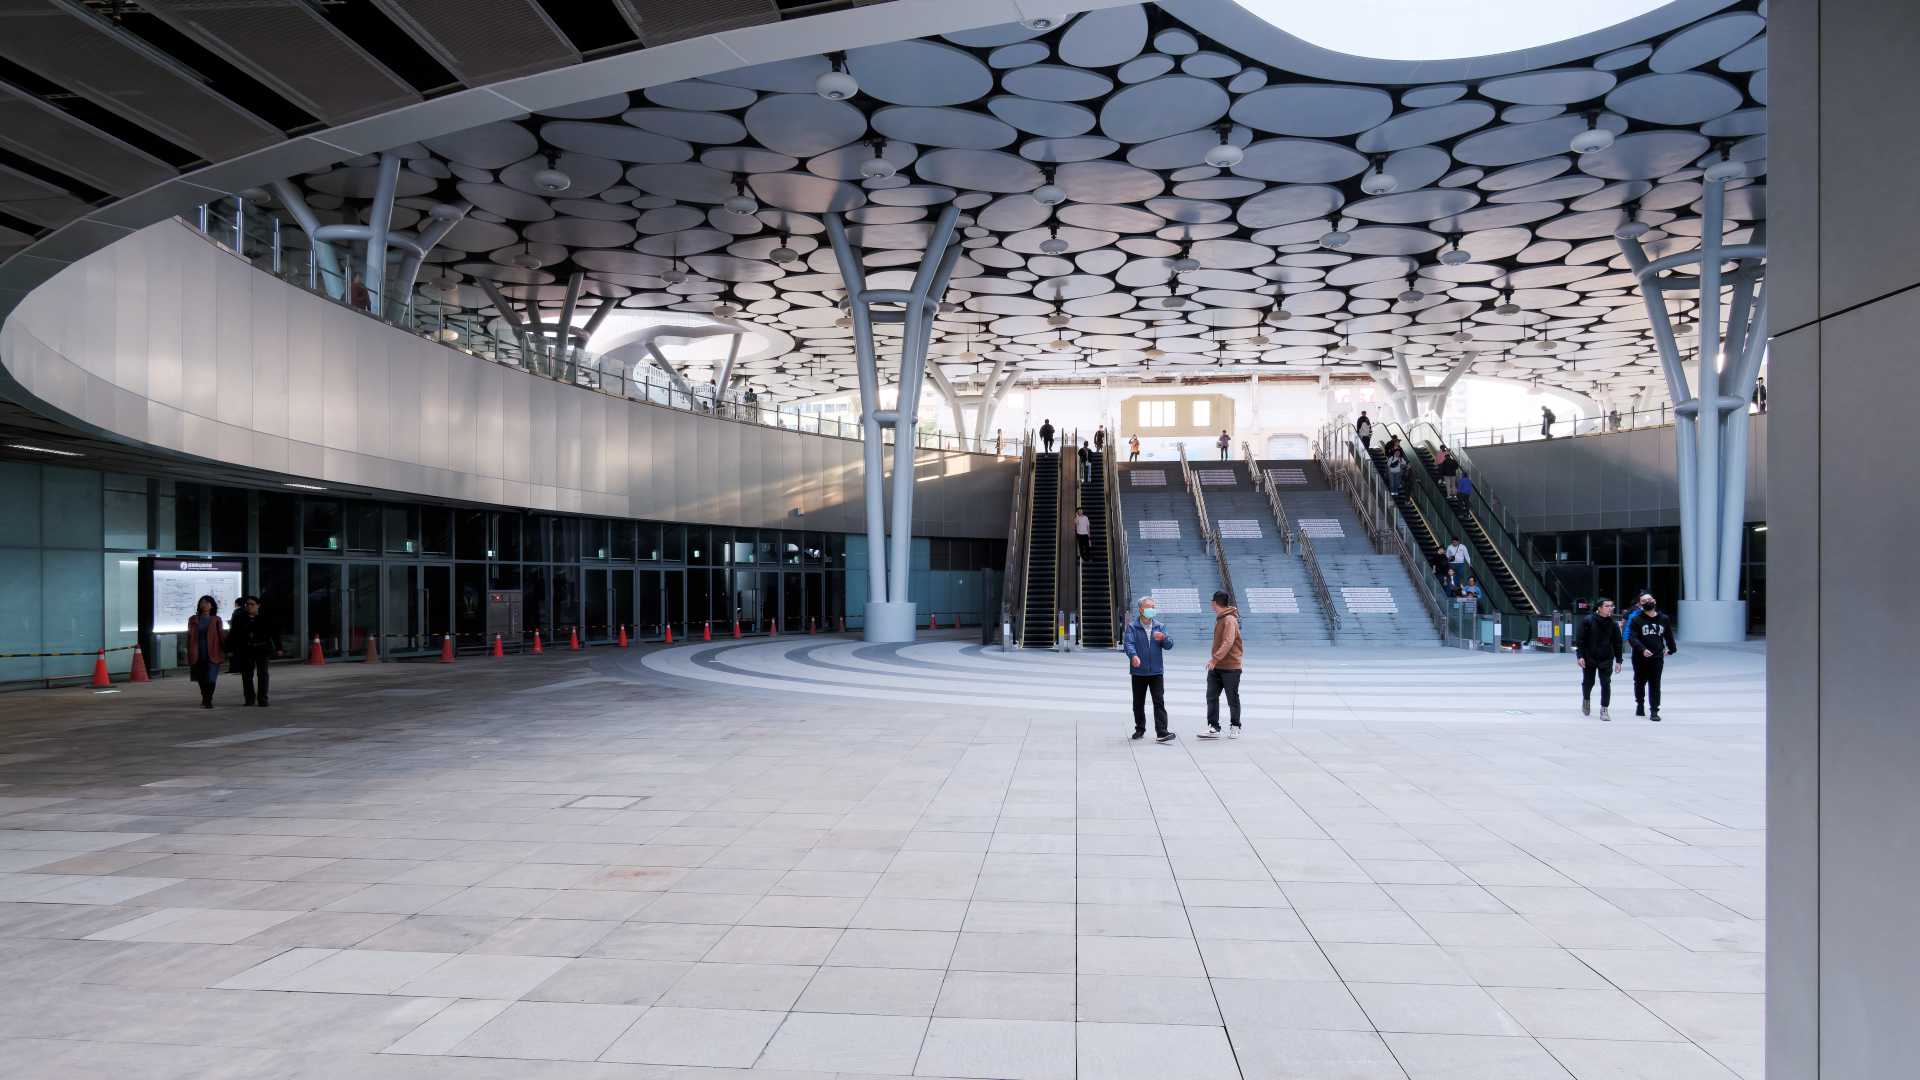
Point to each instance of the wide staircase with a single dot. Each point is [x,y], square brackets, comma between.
[1276,597]
[1043,555]
[1372,593]
[1167,557]
[1096,570]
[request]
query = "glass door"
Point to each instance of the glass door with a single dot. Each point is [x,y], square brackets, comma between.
[436,602]
[622,612]
[326,606]
[599,626]
[400,630]
[363,605]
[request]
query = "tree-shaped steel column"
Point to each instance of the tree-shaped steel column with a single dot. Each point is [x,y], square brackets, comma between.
[1710,426]
[890,615]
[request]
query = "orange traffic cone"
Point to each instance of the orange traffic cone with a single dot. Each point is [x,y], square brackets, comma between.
[933,622]
[736,629]
[314,656]
[139,668]
[373,649]
[669,634]
[537,649]
[623,635]
[573,639]
[499,647]
[446,648]
[706,631]
[773,627]
[100,676]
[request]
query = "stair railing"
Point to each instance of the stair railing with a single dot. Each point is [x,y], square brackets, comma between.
[1308,557]
[1448,525]
[1494,520]
[1067,588]
[1013,586]
[1348,465]
[1117,548]
[1209,533]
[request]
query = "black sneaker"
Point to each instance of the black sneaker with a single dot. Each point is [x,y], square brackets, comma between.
[1655,717]
[1586,707]
[1639,710]
[1139,734]
[1165,737]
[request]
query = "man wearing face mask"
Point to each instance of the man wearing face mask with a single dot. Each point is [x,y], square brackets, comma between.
[1145,640]
[1651,642]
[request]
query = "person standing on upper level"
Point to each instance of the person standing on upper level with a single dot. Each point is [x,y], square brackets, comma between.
[1225,444]
[1133,448]
[1046,436]
[1145,640]
[1363,427]
[1546,422]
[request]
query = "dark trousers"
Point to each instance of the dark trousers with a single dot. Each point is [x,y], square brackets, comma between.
[1223,453]
[1133,455]
[1602,670]
[1646,681]
[252,669]
[205,675]
[1366,439]
[1143,685]
[1220,679]
[1086,544]
[1046,442]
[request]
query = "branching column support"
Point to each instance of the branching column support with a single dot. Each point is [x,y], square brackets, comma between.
[331,280]
[1710,425]
[945,386]
[890,615]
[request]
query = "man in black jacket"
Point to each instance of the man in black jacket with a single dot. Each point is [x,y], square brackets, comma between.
[1652,641]
[1046,436]
[1597,649]
[252,641]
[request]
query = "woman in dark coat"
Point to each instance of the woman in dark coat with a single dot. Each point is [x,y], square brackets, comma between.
[205,647]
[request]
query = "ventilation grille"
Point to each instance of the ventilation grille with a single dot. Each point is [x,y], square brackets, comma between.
[87,57]
[65,145]
[660,21]
[484,41]
[293,49]
[30,200]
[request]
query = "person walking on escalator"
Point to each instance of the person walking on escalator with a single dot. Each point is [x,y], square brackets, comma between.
[1082,532]
[1396,473]
[1100,439]
[1223,667]
[1145,640]
[1363,427]
[1046,436]
[206,647]
[1086,462]
[1651,641]
[1448,466]
[1463,488]
[1457,558]
[1597,649]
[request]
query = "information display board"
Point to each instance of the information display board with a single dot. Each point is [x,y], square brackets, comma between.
[178,584]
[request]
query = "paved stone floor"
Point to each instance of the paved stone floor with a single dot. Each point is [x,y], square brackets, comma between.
[809,858]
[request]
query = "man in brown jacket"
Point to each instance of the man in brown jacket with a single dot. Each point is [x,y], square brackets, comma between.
[1223,667]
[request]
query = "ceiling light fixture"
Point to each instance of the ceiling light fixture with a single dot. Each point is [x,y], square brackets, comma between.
[1048,193]
[674,275]
[1378,181]
[1058,318]
[878,167]
[526,260]
[1453,256]
[1507,306]
[551,178]
[1185,263]
[44,450]
[836,84]
[1725,168]
[1225,155]
[303,487]
[1041,22]
[1335,236]
[1632,228]
[741,203]
[783,254]
[1594,139]
[1412,295]
[1053,245]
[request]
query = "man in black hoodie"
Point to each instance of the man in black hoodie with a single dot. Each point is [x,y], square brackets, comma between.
[252,641]
[1652,641]
[1597,649]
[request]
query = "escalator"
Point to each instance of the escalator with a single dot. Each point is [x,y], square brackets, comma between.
[1482,543]
[1043,554]
[1432,548]
[1096,575]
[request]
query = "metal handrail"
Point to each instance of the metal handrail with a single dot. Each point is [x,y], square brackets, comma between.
[1066,586]
[1350,472]
[1117,547]
[1013,584]
[1310,558]
[1209,533]
[1433,505]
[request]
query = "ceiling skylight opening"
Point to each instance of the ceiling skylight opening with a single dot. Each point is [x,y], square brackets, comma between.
[1443,29]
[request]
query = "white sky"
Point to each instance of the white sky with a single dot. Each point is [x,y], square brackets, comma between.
[1442,29]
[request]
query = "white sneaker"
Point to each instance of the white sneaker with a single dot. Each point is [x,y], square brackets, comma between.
[1233,732]
[1210,733]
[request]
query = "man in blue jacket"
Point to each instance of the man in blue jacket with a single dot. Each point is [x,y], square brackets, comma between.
[1145,640]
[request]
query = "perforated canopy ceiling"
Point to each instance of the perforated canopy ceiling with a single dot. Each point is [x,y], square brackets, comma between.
[1118,109]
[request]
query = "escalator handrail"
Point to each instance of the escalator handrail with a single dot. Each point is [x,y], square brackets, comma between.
[1029,469]
[1013,580]
[1425,494]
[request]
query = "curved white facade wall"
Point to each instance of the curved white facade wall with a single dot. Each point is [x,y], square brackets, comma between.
[166,341]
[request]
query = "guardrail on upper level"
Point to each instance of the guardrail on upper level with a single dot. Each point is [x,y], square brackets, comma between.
[427,313]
